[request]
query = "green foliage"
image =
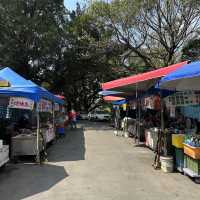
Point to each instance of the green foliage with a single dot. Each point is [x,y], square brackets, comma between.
[153,30]
[72,52]
[29,33]
[191,51]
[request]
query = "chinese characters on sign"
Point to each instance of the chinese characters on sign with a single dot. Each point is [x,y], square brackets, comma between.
[183,99]
[45,106]
[21,103]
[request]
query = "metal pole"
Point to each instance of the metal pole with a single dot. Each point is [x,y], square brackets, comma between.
[139,118]
[162,113]
[53,118]
[38,134]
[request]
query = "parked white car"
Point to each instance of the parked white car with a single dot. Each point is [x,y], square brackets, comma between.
[84,116]
[99,116]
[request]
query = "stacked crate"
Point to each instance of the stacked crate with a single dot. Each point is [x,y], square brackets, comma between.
[177,142]
[192,164]
[192,161]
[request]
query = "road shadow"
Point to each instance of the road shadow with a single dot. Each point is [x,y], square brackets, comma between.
[69,148]
[24,180]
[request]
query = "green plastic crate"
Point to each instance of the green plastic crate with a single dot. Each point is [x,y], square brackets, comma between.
[192,164]
[179,159]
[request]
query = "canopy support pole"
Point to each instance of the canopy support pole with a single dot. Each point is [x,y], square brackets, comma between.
[162,112]
[139,119]
[38,134]
[53,110]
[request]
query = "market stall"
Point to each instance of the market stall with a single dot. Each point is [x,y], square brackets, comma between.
[4,149]
[136,85]
[26,97]
[187,80]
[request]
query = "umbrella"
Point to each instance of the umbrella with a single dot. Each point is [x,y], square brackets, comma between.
[185,78]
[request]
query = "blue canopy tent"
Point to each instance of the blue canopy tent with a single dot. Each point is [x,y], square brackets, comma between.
[185,78]
[110,93]
[20,87]
[120,102]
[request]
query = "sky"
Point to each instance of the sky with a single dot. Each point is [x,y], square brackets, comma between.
[71,4]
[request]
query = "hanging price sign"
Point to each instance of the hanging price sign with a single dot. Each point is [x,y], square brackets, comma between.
[21,103]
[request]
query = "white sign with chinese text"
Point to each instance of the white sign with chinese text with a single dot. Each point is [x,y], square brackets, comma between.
[21,103]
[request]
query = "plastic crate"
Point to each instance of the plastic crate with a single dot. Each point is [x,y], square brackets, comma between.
[177,140]
[192,164]
[179,159]
[193,152]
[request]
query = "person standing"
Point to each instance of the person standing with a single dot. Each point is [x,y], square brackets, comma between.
[72,118]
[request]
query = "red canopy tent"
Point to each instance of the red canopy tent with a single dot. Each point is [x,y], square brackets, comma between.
[60,96]
[112,98]
[140,82]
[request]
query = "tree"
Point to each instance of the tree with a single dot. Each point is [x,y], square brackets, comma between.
[67,52]
[86,61]
[153,30]
[191,51]
[29,34]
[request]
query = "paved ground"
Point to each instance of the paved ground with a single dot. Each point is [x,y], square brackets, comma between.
[92,164]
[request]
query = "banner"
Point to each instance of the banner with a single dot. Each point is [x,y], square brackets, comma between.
[183,99]
[56,107]
[45,105]
[172,111]
[21,103]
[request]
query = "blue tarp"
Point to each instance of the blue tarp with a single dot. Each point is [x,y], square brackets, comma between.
[187,71]
[120,102]
[109,93]
[24,88]
[184,78]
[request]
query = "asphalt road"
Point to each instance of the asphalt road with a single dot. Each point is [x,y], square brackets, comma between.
[93,164]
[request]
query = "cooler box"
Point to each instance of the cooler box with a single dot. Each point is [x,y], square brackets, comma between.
[4,155]
[61,130]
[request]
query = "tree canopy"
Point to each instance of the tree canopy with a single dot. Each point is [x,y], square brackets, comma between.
[72,52]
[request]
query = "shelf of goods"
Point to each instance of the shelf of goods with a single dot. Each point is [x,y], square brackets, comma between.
[151,138]
[4,155]
[25,145]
